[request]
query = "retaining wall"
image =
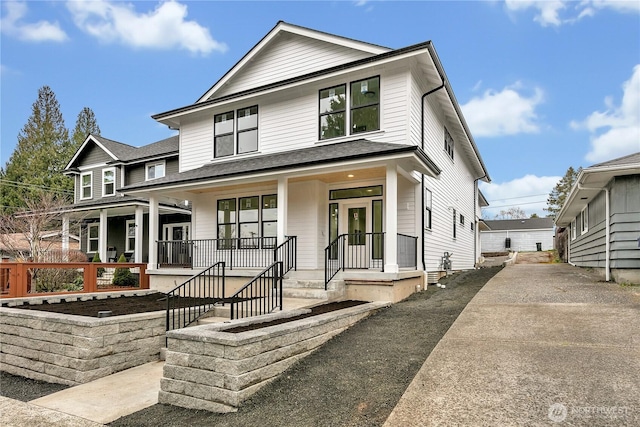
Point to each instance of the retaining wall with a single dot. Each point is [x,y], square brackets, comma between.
[67,349]
[208,368]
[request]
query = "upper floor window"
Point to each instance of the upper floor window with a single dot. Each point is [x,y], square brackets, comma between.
[448,143]
[462,220]
[235,133]
[108,182]
[155,170]
[86,185]
[584,220]
[364,106]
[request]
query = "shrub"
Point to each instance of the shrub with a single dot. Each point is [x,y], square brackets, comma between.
[96,258]
[123,276]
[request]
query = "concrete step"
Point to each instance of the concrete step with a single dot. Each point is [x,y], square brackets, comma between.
[312,293]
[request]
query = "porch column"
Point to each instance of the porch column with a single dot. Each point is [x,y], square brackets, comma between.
[102,236]
[154,220]
[391,223]
[139,219]
[283,207]
[65,238]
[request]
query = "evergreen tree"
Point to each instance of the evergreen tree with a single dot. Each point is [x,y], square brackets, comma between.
[558,195]
[86,124]
[40,156]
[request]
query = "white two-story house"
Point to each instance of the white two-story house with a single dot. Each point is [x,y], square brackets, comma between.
[355,156]
[112,223]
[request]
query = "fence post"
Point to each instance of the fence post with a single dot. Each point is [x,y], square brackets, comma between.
[90,277]
[144,278]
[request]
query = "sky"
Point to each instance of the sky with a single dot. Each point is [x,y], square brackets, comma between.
[543,85]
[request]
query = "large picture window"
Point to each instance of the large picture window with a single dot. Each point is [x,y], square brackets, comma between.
[365,101]
[249,220]
[86,185]
[333,102]
[109,182]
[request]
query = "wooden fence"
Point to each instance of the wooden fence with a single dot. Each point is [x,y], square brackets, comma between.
[27,279]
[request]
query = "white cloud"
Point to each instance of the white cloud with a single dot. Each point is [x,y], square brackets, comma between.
[558,12]
[529,193]
[615,132]
[165,27]
[507,112]
[41,31]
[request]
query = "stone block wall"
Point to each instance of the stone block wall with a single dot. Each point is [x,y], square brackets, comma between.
[208,368]
[66,349]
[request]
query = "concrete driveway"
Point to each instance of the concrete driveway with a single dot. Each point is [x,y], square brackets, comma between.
[538,345]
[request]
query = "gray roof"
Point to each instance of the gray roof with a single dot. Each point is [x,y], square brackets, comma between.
[620,161]
[161,148]
[519,224]
[116,201]
[118,149]
[322,154]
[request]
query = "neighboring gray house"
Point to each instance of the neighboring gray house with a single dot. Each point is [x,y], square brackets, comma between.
[517,235]
[113,223]
[603,214]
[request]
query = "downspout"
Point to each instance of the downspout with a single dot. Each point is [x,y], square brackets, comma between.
[424,263]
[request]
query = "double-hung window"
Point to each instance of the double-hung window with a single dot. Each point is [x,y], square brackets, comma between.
[226,223]
[86,185]
[131,235]
[448,143]
[584,220]
[270,219]
[235,133]
[93,234]
[363,111]
[155,170]
[108,182]
[249,221]
[573,229]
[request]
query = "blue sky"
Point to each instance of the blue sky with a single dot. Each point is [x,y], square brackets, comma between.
[544,85]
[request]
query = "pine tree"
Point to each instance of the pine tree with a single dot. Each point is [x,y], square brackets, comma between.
[558,195]
[86,124]
[39,158]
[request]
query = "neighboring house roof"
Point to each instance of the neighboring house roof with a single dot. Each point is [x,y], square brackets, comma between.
[519,224]
[125,153]
[323,154]
[118,202]
[18,241]
[591,181]
[482,200]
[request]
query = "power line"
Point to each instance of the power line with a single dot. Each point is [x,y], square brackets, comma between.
[520,197]
[35,186]
[515,204]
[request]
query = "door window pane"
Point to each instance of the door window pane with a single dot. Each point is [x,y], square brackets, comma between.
[357,225]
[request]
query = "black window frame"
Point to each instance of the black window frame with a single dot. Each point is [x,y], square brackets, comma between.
[217,136]
[245,130]
[428,207]
[455,218]
[353,108]
[449,143]
[322,114]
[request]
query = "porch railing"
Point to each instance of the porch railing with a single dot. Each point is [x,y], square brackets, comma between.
[261,295]
[26,279]
[251,252]
[407,251]
[353,251]
[189,301]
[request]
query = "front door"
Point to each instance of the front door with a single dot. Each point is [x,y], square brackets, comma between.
[357,227]
[178,251]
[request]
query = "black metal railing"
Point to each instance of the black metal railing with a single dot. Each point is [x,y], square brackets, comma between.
[250,252]
[353,251]
[262,295]
[187,302]
[407,251]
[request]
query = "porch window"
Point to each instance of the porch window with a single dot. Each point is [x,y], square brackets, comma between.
[223,134]
[365,103]
[130,242]
[270,219]
[584,220]
[86,185]
[226,223]
[333,103]
[108,182]
[248,130]
[455,217]
[93,233]
[427,209]
[376,228]
[249,222]
[354,193]
[448,143]
[155,170]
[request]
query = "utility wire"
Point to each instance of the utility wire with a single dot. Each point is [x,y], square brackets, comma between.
[35,186]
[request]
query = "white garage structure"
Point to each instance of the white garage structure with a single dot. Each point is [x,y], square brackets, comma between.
[519,235]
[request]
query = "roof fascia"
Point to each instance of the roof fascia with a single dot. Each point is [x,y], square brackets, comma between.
[82,147]
[279,28]
[388,57]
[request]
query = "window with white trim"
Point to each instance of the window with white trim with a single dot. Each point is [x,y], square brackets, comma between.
[108,182]
[448,143]
[573,229]
[86,185]
[155,170]
[584,220]
[93,235]
[130,229]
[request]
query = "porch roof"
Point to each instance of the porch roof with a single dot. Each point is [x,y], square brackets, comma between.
[318,155]
[121,201]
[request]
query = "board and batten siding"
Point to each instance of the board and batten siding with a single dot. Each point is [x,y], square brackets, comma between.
[287,57]
[453,189]
[137,173]
[625,222]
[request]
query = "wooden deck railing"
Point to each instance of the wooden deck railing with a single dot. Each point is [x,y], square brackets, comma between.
[26,279]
